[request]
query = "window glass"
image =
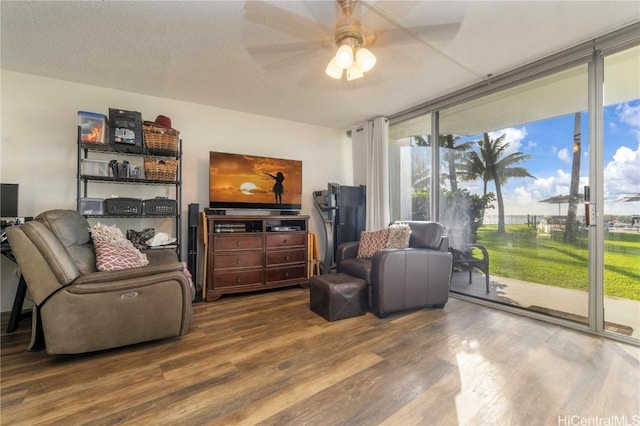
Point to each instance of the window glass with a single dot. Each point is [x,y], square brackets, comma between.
[621,165]
[410,169]
[512,168]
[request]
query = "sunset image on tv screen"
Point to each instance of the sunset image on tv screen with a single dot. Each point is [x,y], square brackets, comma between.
[235,178]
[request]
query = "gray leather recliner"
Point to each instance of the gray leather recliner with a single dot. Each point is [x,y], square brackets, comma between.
[79,309]
[401,279]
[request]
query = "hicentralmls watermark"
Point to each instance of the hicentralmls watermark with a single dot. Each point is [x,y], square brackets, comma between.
[576,420]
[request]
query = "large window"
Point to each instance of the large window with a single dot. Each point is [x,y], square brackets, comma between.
[513,173]
[621,184]
[516,175]
[410,169]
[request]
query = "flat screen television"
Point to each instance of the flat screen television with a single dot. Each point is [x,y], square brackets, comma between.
[9,201]
[239,181]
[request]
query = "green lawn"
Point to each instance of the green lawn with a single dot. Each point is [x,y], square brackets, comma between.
[523,254]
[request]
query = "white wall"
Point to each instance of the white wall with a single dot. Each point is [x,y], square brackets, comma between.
[38,147]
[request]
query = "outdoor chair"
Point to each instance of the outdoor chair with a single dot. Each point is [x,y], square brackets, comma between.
[465,260]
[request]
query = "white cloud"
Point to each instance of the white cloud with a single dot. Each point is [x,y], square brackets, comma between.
[513,136]
[541,188]
[622,174]
[564,155]
[621,178]
[526,198]
[630,115]
[564,179]
[523,196]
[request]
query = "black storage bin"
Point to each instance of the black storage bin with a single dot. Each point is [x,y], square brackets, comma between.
[125,131]
[123,206]
[159,206]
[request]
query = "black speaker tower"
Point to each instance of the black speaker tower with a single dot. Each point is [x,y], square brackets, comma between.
[192,247]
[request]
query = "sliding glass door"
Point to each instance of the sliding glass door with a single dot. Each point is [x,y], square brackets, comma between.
[621,188]
[541,179]
[512,174]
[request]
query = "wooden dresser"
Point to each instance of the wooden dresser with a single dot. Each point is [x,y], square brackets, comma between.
[249,253]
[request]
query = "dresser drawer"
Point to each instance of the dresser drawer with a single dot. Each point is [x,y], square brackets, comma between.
[289,273]
[237,279]
[282,240]
[237,242]
[278,257]
[237,260]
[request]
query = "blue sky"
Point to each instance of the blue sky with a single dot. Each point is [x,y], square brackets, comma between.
[550,144]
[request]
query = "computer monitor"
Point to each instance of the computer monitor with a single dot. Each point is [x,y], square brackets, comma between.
[9,200]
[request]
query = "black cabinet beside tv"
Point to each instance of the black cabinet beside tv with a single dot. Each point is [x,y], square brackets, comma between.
[250,253]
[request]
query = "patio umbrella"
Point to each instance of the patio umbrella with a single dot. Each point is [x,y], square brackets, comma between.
[561,199]
[628,199]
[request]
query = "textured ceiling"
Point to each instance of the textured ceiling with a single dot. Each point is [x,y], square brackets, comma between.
[268,57]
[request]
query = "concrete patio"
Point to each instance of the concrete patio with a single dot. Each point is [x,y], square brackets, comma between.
[621,315]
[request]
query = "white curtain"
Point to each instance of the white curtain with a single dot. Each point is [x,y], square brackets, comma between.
[370,140]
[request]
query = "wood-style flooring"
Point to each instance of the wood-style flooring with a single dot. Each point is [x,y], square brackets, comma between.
[265,358]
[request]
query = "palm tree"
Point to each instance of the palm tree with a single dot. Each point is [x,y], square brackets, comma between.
[420,178]
[571,224]
[452,154]
[474,168]
[491,164]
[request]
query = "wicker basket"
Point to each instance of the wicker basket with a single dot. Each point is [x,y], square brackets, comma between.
[157,138]
[160,168]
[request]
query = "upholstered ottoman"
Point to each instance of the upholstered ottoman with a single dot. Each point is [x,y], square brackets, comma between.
[338,296]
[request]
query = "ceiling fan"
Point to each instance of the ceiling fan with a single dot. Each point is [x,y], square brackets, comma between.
[350,39]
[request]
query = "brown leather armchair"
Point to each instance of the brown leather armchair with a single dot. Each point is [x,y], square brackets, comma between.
[78,309]
[402,279]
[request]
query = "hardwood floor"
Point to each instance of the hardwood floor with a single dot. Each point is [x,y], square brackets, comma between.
[267,359]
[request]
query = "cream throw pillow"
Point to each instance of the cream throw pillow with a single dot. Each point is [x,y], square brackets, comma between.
[399,235]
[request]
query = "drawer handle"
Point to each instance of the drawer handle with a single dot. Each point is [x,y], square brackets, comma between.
[238,280]
[286,274]
[238,243]
[238,261]
[286,258]
[286,241]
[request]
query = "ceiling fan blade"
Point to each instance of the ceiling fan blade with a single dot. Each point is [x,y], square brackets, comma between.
[292,60]
[270,49]
[324,12]
[424,33]
[284,21]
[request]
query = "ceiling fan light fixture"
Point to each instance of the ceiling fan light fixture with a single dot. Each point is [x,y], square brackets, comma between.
[354,72]
[333,70]
[344,56]
[365,59]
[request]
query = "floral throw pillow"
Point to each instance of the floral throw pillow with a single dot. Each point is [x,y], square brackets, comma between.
[114,257]
[371,242]
[113,251]
[399,235]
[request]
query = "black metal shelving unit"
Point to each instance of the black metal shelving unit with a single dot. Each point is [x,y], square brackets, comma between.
[84,151]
